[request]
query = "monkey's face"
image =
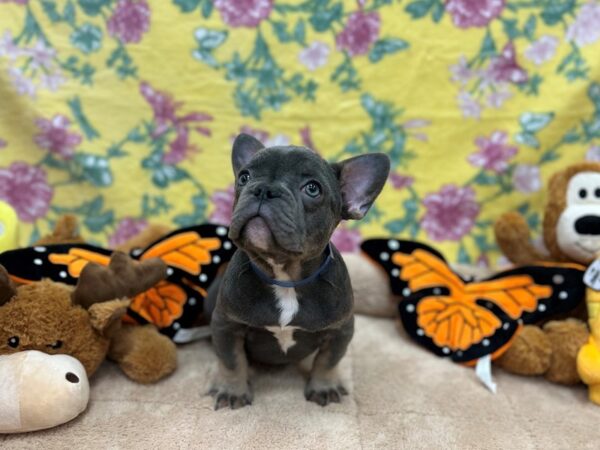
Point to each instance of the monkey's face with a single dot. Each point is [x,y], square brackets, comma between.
[578,228]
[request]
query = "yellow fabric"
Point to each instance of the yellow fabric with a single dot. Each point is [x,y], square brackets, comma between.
[383,80]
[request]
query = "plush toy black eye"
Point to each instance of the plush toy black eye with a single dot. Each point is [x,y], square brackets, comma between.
[312,189]
[582,193]
[56,345]
[13,342]
[597,192]
[243,178]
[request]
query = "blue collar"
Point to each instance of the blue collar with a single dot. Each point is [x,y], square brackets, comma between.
[293,284]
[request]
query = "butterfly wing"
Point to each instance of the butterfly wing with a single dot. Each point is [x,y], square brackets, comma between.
[194,256]
[57,262]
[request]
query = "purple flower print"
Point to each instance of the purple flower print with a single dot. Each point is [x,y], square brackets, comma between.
[26,189]
[346,240]
[3,143]
[22,84]
[399,181]
[277,140]
[8,48]
[468,105]
[307,140]
[461,72]
[54,136]
[166,118]
[361,30]
[261,135]
[18,2]
[504,68]
[493,153]
[526,178]
[244,13]
[593,153]
[130,20]
[542,50]
[315,55]
[223,201]
[496,99]
[585,29]
[450,213]
[474,13]
[41,55]
[126,229]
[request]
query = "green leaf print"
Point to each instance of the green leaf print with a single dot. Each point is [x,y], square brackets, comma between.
[92,168]
[87,38]
[555,10]
[323,17]
[385,47]
[93,7]
[77,111]
[208,41]
[420,8]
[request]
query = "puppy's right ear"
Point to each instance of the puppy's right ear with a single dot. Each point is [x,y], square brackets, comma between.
[244,148]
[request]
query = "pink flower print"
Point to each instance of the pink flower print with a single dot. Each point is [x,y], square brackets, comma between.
[26,189]
[315,55]
[162,105]
[126,229]
[346,240]
[8,49]
[450,213]
[55,137]
[505,67]
[18,2]
[585,29]
[3,143]
[180,148]
[244,13]
[468,105]
[496,99]
[361,30]
[542,50]
[52,81]
[130,20]
[526,178]
[277,141]
[474,13]
[22,84]
[593,153]
[260,135]
[401,181]
[223,202]
[41,55]
[493,153]
[307,140]
[461,72]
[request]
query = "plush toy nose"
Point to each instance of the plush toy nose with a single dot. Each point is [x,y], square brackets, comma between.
[72,378]
[263,191]
[588,225]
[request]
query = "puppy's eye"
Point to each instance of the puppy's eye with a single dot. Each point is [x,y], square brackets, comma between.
[312,189]
[582,193]
[243,178]
[56,345]
[13,341]
[597,192]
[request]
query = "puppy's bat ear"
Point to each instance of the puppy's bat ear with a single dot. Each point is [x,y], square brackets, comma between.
[244,148]
[361,180]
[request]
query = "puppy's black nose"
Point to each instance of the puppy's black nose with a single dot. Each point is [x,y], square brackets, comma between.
[588,225]
[72,378]
[263,192]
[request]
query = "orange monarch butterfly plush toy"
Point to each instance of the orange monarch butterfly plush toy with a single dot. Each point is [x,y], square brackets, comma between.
[467,320]
[174,305]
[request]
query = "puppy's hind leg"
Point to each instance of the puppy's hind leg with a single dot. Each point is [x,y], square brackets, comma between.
[230,387]
[324,385]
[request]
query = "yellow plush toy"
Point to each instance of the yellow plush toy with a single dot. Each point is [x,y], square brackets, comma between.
[9,238]
[588,358]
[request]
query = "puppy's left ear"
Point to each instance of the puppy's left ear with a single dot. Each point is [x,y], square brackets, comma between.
[361,180]
[244,148]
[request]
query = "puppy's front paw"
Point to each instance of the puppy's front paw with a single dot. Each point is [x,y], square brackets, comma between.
[324,392]
[231,395]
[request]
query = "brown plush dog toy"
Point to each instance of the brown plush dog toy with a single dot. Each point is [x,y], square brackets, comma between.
[85,322]
[571,233]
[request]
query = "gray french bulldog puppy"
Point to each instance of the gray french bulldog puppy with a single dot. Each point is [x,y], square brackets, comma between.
[286,293]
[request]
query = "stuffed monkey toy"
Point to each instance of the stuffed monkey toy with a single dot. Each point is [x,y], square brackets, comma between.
[571,233]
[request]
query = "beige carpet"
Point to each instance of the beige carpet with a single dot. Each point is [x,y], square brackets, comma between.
[401,397]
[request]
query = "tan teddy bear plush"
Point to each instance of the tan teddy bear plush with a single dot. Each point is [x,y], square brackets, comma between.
[571,233]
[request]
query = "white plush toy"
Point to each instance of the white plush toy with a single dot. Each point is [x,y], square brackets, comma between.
[39,391]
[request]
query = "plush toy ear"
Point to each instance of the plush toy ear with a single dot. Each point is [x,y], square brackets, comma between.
[361,180]
[244,148]
[106,317]
[7,288]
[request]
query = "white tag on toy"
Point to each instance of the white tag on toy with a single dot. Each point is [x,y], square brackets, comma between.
[483,370]
[591,277]
[185,335]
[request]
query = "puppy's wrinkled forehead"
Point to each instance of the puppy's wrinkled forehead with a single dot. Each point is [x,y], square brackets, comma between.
[280,163]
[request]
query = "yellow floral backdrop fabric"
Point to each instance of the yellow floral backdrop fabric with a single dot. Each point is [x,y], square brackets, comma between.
[122,111]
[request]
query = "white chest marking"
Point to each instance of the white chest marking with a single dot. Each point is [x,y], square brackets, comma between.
[287,302]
